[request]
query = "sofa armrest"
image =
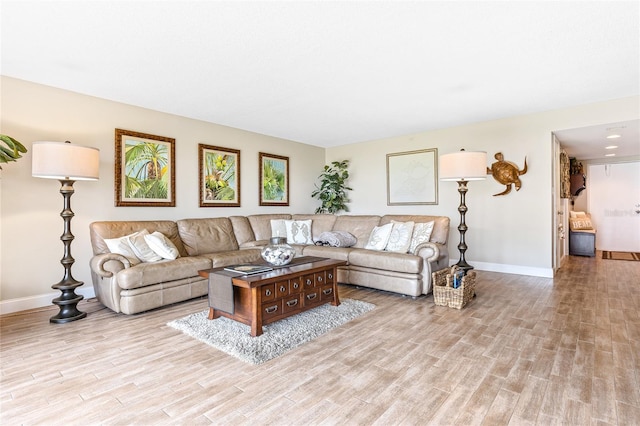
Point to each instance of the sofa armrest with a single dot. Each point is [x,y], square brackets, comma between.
[105,265]
[430,251]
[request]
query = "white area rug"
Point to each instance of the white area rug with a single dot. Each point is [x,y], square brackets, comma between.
[279,337]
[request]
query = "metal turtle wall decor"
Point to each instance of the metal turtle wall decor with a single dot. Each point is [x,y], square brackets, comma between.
[507,173]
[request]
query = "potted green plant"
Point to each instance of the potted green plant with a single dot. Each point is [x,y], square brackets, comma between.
[333,188]
[10,149]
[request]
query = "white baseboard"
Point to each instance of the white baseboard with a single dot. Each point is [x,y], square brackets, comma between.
[33,302]
[512,269]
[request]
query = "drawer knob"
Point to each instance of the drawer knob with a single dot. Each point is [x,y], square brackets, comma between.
[282,289]
[295,285]
[311,296]
[309,282]
[271,309]
[293,302]
[330,275]
[267,292]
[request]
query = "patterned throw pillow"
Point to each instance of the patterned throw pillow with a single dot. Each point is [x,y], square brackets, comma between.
[421,234]
[379,237]
[400,237]
[298,231]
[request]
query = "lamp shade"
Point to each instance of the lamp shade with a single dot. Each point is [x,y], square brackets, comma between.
[463,165]
[63,160]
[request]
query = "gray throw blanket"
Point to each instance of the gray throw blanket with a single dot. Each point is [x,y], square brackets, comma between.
[336,239]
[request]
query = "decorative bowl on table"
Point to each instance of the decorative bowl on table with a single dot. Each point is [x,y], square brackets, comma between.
[278,252]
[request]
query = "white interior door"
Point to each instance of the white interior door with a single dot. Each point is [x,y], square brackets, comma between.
[614,204]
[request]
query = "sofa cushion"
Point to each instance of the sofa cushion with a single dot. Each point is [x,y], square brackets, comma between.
[400,237]
[227,258]
[145,274]
[210,235]
[398,262]
[261,224]
[358,225]
[242,230]
[337,253]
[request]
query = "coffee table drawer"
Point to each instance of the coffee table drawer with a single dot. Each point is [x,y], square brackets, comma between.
[282,288]
[292,303]
[295,285]
[312,297]
[326,293]
[271,309]
[268,292]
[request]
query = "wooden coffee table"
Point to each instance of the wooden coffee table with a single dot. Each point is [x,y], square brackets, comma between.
[264,298]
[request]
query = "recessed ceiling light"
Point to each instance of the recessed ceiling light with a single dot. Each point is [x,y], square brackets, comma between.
[609,155]
[614,132]
[611,147]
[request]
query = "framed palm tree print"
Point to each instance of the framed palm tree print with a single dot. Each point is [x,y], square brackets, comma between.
[219,176]
[274,180]
[145,173]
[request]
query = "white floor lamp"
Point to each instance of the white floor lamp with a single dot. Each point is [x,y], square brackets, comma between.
[463,166]
[67,163]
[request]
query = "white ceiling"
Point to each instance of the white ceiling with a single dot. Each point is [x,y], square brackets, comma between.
[330,73]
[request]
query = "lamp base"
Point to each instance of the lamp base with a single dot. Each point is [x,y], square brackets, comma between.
[462,264]
[67,302]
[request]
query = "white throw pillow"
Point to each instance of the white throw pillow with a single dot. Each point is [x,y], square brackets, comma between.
[141,249]
[298,231]
[421,234]
[121,246]
[379,237]
[278,229]
[400,237]
[162,245]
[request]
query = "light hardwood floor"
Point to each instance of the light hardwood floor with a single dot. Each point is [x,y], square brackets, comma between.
[526,351]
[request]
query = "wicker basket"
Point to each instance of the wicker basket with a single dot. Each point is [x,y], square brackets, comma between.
[445,295]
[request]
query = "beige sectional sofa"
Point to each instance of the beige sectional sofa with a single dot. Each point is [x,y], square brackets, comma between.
[207,243]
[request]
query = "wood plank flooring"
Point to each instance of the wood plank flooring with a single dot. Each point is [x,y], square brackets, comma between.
[526,351]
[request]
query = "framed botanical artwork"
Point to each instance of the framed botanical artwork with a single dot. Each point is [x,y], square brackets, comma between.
[145,172]
[219,176]
[412,177]
[274,180]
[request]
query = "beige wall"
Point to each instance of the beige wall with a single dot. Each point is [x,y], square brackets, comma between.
[510,233]
[31,225]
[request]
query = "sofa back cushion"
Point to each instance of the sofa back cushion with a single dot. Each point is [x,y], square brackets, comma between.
[319,222]
[242,229]
[99,231]
[440,233]
[209,235]
[360,226]
[261,224]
